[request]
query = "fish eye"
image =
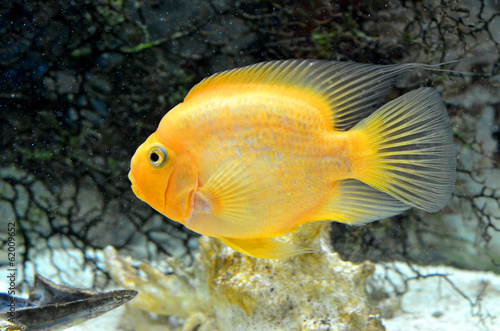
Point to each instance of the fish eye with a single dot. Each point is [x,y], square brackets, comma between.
[157,155]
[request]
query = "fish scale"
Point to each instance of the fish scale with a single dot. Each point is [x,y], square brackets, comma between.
[308,164]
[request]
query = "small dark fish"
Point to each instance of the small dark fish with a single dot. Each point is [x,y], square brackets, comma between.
[6,299]
[47,292]
[56,307]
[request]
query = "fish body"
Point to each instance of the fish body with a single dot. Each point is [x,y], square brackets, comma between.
[252,153]
[293,155]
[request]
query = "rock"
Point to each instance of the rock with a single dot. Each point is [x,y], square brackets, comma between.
[6,325]
[6,191]
[22,201]
[225,290]
[88,198]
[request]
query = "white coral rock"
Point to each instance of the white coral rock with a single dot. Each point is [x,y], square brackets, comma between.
[225,290]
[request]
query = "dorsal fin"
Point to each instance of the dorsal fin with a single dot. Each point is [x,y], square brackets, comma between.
[351,90]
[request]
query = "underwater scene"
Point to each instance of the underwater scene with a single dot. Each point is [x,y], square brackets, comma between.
[249,165]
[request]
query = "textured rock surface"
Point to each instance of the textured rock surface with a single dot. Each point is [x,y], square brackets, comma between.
[82,92]
[225,290]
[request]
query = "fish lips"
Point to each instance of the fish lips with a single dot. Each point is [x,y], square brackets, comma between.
[138,193]
[134,186]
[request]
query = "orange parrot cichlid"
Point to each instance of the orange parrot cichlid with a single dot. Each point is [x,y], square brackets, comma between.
[254,152]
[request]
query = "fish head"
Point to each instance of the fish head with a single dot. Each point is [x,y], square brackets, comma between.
[150,170]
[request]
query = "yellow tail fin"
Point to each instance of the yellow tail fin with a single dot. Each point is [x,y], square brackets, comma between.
[407,150]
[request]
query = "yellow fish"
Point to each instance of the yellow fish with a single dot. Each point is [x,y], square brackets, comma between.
[255,152]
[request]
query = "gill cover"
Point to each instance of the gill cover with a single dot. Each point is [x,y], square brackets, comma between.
[180,193]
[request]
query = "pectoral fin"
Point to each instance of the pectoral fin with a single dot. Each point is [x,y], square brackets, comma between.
[235,192]
[180,193]
[232,202]
[265,248]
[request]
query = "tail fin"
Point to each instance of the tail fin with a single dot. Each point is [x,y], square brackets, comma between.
[409,150]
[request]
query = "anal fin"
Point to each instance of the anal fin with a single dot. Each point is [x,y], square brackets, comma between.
[265,248]
[354,202]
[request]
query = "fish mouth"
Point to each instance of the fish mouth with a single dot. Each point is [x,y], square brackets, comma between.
[132,180]
[134,186]
[131,177]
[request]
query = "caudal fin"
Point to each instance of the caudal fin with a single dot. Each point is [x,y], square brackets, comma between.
[407,150]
